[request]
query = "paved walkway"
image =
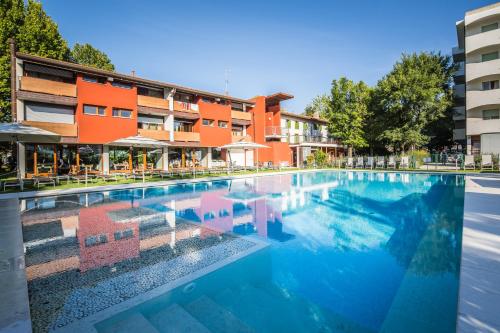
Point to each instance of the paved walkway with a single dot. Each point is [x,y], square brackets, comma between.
[479,305]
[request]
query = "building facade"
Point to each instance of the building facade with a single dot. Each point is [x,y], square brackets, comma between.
[92,109]
[477,93]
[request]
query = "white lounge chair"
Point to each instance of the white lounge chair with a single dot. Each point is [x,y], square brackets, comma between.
[369,162]
[391,163]
[350,163]
[405,162]
[469,162]
[486,162]
[380,162]
[359,163]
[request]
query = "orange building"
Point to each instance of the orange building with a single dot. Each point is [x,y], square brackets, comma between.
[94,109]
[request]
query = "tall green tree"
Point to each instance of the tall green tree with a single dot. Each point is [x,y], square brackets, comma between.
[86,54]
[413,95]
[12,14]
[347,112]
[318,107]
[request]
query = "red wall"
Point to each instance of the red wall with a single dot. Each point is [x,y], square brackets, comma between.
[104,129]
[214,136]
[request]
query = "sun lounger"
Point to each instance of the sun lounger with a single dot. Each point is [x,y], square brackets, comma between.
[350,163]
[44,181]
[11,183]
[405,162]
[380,162]
[391,163]
[469,162]
[359,163]
[369,162]
[486,162]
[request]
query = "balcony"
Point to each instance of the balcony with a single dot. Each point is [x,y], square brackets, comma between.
[187,136]
[273,132]
[298,139]
[460,71]
[47,86]
[58,128]
[239,115]
[478,126]
[153,102]
[479,98]
[480,40]
[481,69]
[161,135]
[185,107]
[240,138]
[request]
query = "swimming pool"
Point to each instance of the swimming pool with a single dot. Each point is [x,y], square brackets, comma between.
[332,251]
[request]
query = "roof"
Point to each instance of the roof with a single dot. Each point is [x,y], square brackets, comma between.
[277,97]
[133,79]
[302,117]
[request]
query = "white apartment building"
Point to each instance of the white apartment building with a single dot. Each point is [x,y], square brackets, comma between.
[305,135]
[477,93]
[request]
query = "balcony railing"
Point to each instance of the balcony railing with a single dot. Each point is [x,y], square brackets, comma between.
[47,86]
[187,136]
[241,115]
[273,131]
[239,138]
[185,107]
[58,128]
[158,134]
[153,102]
[296,139]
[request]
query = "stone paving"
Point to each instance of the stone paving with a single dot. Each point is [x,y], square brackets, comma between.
[479,304]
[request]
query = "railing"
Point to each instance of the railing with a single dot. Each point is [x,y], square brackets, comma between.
[58,128]
[273,131]
[187,136]
[185,107]
[241,115]
[153,102]
[47,86]
[311,139]
[154,134]
[239,138]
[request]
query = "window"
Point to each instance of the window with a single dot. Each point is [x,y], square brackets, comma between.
[237,130]
[491,114]
[94,79]
[222,124]
[124,234]
[297,125]
[207,100]
[237,106]
[183,126]
[489,85]
[208,122]
[121,84]
[158,93]
[94,110]
[489,56]
[208,216]
[122,113]
[489,27]
[96,240]
[288,123]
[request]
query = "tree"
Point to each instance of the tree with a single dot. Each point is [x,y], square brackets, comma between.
[318,107]
[347,112]
[86,54]
[11,19]
[40,35]
[413,95]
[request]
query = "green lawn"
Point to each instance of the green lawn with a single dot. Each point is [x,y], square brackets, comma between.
[72,184]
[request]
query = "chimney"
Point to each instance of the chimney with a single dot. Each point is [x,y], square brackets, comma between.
[133,73]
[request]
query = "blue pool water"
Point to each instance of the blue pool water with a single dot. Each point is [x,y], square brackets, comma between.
[346,252]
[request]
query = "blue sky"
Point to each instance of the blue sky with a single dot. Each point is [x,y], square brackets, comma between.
[292,46]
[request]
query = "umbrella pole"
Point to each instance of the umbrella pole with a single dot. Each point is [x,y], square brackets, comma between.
[19,176]
[245,152]
[230,161]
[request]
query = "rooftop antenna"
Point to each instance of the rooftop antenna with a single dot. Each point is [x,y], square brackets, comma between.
[133,73]
[226,80]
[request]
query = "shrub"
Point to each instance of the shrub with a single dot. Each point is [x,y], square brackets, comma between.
[418,156]
[320,157]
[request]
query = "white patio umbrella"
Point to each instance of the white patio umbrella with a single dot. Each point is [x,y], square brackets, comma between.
[17,132]
[139,142]
[245,146]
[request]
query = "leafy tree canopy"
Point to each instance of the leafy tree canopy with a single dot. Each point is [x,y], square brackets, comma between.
[347,112]
[412,96]
[318,107]
[86,54]
[35,33]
